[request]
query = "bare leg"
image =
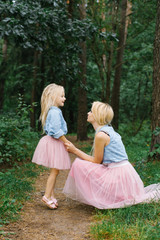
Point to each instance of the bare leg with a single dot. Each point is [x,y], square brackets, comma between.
[51,183]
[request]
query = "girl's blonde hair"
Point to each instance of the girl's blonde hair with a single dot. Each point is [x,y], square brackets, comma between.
[102,112]
[48,99]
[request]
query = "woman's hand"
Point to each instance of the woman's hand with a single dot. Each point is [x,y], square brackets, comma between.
[70,147]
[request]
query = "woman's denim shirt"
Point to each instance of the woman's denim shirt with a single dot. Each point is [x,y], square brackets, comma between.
[115,150]
[55,124]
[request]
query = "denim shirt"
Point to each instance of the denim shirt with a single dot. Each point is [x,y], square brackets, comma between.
[55,124]
[115,150]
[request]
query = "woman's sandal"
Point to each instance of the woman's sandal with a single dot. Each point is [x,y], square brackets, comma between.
[49,203]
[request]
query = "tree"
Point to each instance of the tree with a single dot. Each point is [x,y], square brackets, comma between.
[155,124]
[137,74]
[33,94]
[118,68]
[104,15]
[3,70]
[82,96]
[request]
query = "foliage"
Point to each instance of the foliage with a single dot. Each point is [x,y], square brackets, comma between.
[16,135]
[136,84]
[17,142]
[46,27]
[94,88]
[156,150]
[34,24]
[99,46]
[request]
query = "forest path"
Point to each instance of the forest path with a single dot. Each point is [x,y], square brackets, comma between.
[70,221]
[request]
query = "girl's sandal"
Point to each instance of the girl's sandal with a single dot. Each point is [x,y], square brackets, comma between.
[49,203]
[54,201]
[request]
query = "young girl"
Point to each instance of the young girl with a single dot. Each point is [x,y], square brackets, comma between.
[50,151]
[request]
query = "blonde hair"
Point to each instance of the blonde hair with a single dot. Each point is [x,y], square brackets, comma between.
[48,99]
[102,112]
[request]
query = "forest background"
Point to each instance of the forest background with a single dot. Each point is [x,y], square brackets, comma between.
[98,50]
[83,47]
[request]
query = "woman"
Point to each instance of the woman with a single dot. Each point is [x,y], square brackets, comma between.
[106,179]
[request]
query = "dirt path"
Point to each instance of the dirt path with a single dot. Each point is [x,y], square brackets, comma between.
[70,221]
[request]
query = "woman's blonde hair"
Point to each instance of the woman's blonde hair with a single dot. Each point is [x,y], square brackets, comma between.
[48,99]
[102,112]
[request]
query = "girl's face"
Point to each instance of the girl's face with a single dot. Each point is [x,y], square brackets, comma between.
[90,118]
[60,99]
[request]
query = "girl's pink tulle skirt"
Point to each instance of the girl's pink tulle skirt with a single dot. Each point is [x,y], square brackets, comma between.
[114,186]
[51,153]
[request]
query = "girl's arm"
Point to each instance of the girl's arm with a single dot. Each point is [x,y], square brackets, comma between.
[53,125]
[101,140]
[64,139]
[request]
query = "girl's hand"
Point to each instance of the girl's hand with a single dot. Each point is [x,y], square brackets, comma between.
[70,147]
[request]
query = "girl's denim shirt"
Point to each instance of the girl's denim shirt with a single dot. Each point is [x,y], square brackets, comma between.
[115,150]
[55,125]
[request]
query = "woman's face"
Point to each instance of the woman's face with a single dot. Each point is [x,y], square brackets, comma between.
[90,118]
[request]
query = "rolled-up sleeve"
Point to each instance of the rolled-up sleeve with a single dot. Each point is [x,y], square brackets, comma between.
[53,124]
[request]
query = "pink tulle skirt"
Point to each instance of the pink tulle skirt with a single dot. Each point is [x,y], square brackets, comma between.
[114,186]
[51,153]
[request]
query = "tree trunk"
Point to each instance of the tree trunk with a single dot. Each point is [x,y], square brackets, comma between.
[82,97]
[41,87]
[33,95]
[70,8]
[114,14]
[156,88]
[108,74]
[118,69]
[2,70]
[100,64]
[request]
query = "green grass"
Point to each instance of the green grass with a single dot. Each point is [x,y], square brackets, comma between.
[16,184]
[135,222]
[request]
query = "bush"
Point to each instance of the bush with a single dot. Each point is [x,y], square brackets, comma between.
[16,135]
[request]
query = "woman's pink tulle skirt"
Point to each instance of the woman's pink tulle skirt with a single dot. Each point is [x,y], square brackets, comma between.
[51,153]
[114,186]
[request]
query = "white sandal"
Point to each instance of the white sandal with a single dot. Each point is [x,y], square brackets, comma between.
[54,201]
[49,203]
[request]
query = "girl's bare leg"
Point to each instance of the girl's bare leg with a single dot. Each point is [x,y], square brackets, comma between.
[51,183]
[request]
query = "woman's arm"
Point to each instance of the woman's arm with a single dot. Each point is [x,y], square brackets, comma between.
[101,140]
[71,148]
